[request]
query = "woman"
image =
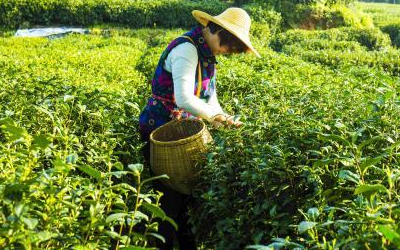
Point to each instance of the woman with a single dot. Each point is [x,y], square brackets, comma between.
[184,86]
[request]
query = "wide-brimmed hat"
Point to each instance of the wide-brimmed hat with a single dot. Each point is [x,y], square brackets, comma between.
[234,20]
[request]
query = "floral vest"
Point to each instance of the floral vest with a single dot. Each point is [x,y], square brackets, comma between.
[161,106]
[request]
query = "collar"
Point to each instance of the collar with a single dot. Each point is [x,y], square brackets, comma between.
[198,38]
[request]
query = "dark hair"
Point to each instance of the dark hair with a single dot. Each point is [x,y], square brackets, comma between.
[234,44]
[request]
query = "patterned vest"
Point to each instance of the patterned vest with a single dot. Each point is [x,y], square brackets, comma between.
[161,105]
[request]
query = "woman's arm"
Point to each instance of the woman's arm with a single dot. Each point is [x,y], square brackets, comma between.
[182,63]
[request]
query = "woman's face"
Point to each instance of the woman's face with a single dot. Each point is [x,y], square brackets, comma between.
[213,41]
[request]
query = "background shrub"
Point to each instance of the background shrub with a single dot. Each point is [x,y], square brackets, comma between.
[135,14]
[278,2]
[319,16]
[382,14]
[394,32]
[372,39]
[263,14]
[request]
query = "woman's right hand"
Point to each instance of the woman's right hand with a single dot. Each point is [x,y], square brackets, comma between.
[233,120]
[226,120]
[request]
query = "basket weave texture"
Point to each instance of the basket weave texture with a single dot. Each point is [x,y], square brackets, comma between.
[175,148]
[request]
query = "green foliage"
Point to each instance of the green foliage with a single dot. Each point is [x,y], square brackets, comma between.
[386,17]
[60,169]
[385,60]
[315,165]
[383,1]
[394,32]
[382,14]
[324,17]
[306,2]
[371,39]
[68,133]
[313,137]
[261,14]
[135,14]
[316,45]
[340,48]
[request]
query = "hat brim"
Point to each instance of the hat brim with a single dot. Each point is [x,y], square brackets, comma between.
[203,18]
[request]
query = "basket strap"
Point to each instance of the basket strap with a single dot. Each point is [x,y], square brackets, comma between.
[199,77]
[163,99]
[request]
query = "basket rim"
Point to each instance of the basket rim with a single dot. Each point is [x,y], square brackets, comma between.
[180,141]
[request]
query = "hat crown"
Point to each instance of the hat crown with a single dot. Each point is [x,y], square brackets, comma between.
[236,16]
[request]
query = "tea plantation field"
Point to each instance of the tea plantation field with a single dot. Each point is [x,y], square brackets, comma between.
[315,166]
[381,13]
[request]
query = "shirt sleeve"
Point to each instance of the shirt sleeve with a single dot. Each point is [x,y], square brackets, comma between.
[182,63]
[213,101]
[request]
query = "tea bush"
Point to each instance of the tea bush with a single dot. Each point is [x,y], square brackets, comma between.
[60,164]
[262,14]
[315,164]
[335,48]
[135,14]
[385,60]
[382,14]
[322,17]
[277,2]
[386,17]
[70,172]
[325,44]
[394,32]
[372,39]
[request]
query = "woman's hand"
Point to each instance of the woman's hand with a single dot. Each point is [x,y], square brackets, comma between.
[233,120]
[226,120]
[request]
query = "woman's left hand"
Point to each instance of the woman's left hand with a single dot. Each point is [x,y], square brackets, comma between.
[233,121]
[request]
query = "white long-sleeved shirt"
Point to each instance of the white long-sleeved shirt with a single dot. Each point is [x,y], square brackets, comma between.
[182,63]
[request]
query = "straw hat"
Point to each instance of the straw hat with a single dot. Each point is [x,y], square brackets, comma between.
[234,20]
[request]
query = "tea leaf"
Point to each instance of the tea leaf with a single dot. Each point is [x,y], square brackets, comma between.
[18,209]
[136,168]
[158,212]
[157,236]
[368,142]
[367,162]
[119,166]
[115,216]
[135,106]
[61,166]
[117,174]
[13,131]
[137,248]
[41,141]
[172,222]
[350,176]
[388,232]
[370,189]
[333,137]
[30,222]
[71,158]
[164,176]
[277,245]
[68,98]
[259,247]
[90,171]
[313,213]
[113,234]
[304,226]
[43,236]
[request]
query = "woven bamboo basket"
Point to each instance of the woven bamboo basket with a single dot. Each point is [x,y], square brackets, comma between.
[175,148]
